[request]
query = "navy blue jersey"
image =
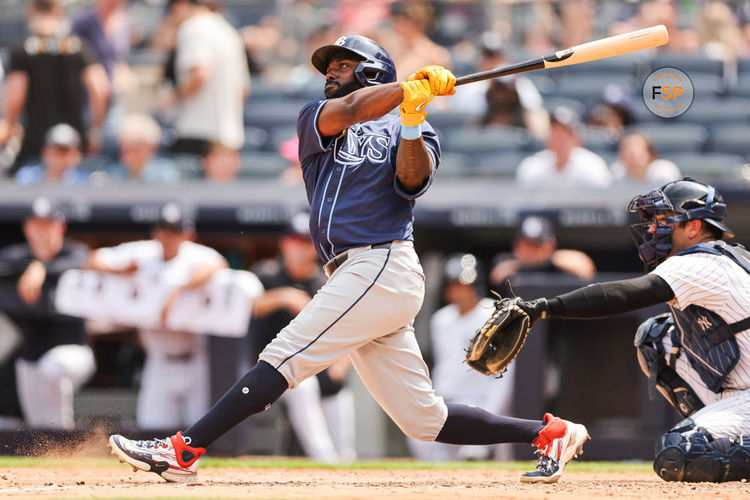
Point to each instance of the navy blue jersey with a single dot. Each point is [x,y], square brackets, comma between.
[355,197]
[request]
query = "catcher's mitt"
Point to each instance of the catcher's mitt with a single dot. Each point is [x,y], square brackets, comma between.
[500,339]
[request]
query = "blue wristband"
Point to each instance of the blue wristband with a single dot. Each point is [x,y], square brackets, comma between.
[411,133]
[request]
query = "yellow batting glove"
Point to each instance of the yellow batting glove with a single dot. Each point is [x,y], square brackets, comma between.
[441,80]
[417,95]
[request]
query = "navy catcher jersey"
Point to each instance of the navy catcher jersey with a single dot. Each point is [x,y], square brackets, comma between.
[355,197]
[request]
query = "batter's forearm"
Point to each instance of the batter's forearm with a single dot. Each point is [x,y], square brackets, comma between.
[413,164]
[362,105]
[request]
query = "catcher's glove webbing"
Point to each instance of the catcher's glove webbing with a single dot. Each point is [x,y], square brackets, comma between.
[497,343]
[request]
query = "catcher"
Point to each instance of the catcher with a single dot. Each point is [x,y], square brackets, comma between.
[697,357]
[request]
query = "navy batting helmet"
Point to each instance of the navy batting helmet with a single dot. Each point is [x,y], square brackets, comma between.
[375,66]
[678,201]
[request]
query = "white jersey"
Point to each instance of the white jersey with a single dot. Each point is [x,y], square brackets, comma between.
[716,283]
[215,112]
[149,257]
[451,332]
[584,168]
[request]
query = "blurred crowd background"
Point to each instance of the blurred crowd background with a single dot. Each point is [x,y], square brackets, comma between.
[134,122]
[195,96]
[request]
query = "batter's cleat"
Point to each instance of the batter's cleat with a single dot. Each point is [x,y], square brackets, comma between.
[171,457]
[557,444]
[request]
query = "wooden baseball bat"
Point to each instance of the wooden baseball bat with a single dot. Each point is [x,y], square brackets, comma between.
[591,51]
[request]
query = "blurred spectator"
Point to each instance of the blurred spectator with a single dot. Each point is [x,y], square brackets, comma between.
[139,140]
[408,44]
[221,164]
[48,77]
[510,101]
[106,27]
[614,111]
[355,16]
[304,77]
[289,150]
[61,159]
[451,329]
[54,360]
[321,409]
[535,250]
[720,36]
[263,43]
[564,162]
[654,12]
[212,79]
[639,161]
[175,387]
[577,19]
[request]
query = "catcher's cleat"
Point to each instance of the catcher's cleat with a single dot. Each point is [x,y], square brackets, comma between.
[557,444]
[171,457]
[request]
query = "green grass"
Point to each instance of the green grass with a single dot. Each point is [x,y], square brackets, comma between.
[302,463]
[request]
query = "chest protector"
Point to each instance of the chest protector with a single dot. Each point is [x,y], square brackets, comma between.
[707,340]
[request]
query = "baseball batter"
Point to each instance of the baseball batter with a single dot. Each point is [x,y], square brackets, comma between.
[698,357]
[363,170]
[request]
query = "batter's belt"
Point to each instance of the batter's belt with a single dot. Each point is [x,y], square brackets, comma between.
[337,261]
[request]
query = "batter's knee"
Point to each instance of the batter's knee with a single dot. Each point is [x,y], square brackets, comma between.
[425,425]
[690,455]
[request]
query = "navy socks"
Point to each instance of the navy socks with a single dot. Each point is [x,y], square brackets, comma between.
[471,425]
[255,391]
[263,385]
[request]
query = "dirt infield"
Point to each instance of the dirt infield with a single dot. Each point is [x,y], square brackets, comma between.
[118,481]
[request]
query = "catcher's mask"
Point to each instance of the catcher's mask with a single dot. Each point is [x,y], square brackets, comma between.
[678,201]
[375,66]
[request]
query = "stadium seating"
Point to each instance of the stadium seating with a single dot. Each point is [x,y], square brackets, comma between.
[455,165]
[674,137]
[742,87]
[269,114]
[707,112]
[624,65]
[552,102]
[598,140]
[688,63]
[588,88]
[706,85]
[743,66]
[261,164]
[280,134]
[709,167]
[502,164]
[732,138]
[444,119]
[484,140]
[12,29]
[256,139]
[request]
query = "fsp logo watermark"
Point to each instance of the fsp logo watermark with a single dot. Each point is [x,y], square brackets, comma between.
[668,92]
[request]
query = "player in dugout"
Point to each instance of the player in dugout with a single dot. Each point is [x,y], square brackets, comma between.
[363,169]
[697,356]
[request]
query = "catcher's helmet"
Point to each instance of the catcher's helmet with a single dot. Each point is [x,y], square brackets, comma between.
[678,201]
[375,66]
